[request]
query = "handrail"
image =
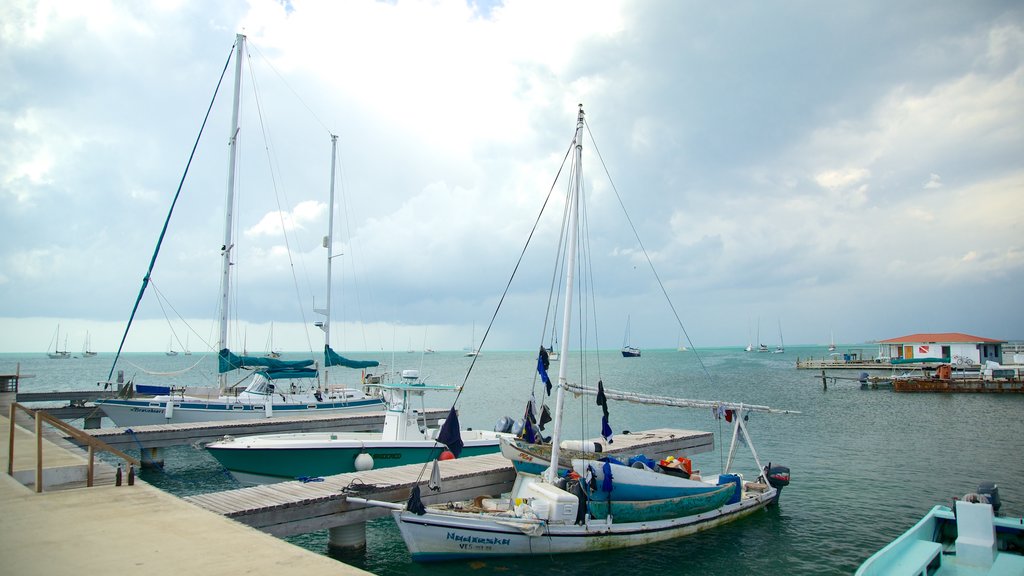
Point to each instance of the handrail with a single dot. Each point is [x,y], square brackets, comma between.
[39,415]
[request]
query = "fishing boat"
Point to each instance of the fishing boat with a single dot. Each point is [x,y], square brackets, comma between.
[573,500]
[629,351]
[406,439]
[968,538]
[288,388]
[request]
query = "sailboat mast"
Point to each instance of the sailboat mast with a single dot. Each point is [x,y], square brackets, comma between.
[225,282]
[329,241]
[570,277]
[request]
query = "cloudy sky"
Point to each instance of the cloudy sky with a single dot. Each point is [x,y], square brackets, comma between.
[833,167]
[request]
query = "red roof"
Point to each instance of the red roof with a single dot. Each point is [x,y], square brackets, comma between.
[942,338]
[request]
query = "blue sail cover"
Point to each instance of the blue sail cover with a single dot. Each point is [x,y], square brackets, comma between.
[227,361]
[331,358]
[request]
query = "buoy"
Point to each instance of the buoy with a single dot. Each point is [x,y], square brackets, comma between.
[447,455]
[364,462]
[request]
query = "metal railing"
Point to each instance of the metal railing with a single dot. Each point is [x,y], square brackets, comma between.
[40,416]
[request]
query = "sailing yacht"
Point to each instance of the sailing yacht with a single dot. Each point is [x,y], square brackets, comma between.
[629,351]
[564,500]
[55,353]
[292,388]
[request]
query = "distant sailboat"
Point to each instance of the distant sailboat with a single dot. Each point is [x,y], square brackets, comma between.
[782,344]
[57,353]
[187,351]
[87,351]
[760,347]
[271,353]
[472,350]
[170,348]
[831,341]
[682,347]
[629,351]
[750,343]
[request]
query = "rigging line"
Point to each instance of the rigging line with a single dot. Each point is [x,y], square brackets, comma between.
[515,270]
[161,299]
[172,373]
[353,263]
[647,256]
[163,231]
[253,46]
[278,192]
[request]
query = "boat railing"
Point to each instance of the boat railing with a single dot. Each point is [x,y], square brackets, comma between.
[41,416]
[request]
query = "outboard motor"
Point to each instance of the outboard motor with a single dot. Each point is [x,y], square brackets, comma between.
[863,378]
[990,490]
[504,425]
[778,477]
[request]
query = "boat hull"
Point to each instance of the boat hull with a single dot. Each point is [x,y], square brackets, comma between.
[649,510]
[328,454]
[442,535]
[142,412]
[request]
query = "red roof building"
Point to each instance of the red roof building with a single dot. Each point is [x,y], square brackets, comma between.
[952,347]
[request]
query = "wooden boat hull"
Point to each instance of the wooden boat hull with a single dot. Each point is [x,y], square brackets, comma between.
[648,510]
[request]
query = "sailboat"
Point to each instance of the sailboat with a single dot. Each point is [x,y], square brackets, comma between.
[579,503]
[271,353]
[750,344]
[275,387]
[55,352]
[87,351]
[472,350]
[782,345]
[170,348]
[406,439]
[831,341]
[627,350]
[760,347]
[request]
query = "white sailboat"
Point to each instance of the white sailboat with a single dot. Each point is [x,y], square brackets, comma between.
[471,350]
[781,348]
[604,505]
[55,352]
[831,341]
[629,351]
[170,348]
[275,387]
[271,353]
[87,351]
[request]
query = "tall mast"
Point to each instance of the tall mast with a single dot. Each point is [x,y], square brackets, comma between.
[225,281]
[329,244]
[570,277]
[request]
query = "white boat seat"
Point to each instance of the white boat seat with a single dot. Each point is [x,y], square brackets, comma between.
[976,534]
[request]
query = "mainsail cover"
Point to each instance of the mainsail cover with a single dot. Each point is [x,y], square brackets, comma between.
[228,361]
[332,358]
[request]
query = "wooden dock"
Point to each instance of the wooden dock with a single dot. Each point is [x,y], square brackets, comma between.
[290,508]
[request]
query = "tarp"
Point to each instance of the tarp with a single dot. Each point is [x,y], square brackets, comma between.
[332,358]
[228,361]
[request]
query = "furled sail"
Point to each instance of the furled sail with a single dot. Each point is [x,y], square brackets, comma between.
[332,358]
[228,361]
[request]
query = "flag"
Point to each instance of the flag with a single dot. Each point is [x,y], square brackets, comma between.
[450,434]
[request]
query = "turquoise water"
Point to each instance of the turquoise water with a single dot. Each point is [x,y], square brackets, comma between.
[866,464]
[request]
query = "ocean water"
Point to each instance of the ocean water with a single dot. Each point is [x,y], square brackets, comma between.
[866,464]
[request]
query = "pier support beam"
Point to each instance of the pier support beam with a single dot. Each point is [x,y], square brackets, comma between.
[347,538]
[93,423]
[151,457]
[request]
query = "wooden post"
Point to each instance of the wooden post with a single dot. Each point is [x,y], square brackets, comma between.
[39,451]
[89,469]
[824,382]
[10,444]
